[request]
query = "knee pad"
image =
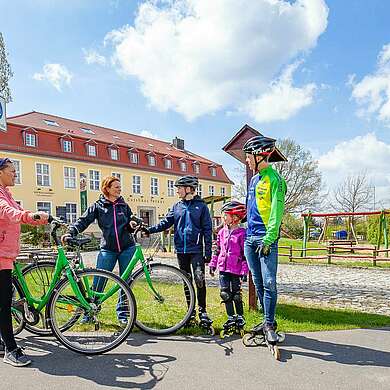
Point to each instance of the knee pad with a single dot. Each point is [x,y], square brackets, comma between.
[237,297]
[270,284]
[226,295]
[199,276]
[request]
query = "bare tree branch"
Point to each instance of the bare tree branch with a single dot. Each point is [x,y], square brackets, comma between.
[5,72]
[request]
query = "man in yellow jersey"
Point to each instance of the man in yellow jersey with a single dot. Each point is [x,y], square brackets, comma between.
[265,207]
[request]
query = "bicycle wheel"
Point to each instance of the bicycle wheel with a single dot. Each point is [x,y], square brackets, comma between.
[168,311]
[18,323]
[99,330]
[38,277]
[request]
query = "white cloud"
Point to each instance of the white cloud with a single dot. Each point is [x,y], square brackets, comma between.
[372,93]
[361,154]
[282,100]
[197,57]
[91,56]
[56,74]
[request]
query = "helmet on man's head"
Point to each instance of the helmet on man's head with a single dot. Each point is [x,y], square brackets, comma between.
[187,181]
[234,207]
[259,145]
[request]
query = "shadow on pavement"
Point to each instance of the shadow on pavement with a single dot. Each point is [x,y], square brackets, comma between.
[123,370]
[333,352]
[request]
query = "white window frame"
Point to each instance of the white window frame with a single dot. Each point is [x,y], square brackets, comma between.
[94,180]
[89,148]
[30,139]
[42,175]
[152,160]
[69,147]
[68,180]
[154,186]
[183,166]
[134,157]
[49,211]
[171,187]
[211,190]
[199,190]
[71,217]
[196,168]
[136,184]
[168,163]
[213,171]
[18,170]
[114,153]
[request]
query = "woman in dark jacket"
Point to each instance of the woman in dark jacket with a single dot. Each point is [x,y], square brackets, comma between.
[114,218]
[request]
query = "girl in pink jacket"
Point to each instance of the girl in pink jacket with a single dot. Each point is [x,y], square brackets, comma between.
[11,216]
[230,260]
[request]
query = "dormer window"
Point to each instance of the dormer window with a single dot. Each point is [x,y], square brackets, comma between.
[183,165]
[196,167]
[30,137]
[50,122]
[133,156]
[113,151]
[67,145]
[91,148]
[213,171]
[152,160]
[168,162]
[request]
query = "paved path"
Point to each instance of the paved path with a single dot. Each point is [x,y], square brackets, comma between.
[348,360]
[362,289]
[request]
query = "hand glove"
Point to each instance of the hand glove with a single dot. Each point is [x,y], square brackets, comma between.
[207,259]
[265,250]
[65,238]
[244,278]
[145,231]
[211,271]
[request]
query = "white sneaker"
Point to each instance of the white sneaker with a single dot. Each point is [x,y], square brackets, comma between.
[16,358]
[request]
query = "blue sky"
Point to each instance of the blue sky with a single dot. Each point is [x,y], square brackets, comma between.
[317,71]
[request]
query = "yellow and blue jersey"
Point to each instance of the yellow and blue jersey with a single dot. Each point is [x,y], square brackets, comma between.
[265,204]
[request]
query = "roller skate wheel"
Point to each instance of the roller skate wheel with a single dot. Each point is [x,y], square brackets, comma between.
[211,331]
[241,333]
[222,334]
[281,337]
[251,340]
[275,352]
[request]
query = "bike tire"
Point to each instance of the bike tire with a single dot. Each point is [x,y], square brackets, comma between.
[79,337]
[18,323]
[165,317]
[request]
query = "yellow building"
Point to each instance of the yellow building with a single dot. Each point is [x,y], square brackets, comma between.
[52,154]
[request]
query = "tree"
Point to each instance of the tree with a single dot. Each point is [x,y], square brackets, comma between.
[353,194]
[303,178]
[5,72]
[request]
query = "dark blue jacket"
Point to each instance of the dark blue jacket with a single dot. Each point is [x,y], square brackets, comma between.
[113,220]
[193,226]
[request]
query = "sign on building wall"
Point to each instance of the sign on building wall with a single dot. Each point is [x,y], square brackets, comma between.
[83,192]
[3,122]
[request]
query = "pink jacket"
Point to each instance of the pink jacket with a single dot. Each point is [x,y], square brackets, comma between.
[229,255]
[11,216]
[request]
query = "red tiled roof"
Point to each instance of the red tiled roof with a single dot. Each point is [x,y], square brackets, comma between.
[73,128]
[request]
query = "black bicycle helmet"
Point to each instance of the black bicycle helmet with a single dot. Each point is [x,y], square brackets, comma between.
[187,181]
[259,145]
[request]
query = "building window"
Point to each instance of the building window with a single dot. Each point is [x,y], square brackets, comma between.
[183,166]
[199,190]
[223,191]
[171,188]
[196,168]
[213,171]
[91,150]
[211,190]
[134,158]
[117,175]
[44,206]
[94,180]
[114,154]
[136,184]
[154,185]
[67,146]
[51,123]
[31,140]
[71,212]
[86,131]
[168,163]
[18,179]
[43,174]
[69,177]
[152,160]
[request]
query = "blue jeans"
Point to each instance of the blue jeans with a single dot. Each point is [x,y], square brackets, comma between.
[106,260]
[263,271]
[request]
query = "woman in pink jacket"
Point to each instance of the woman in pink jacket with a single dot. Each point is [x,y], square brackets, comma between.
[230,260]
[11,216]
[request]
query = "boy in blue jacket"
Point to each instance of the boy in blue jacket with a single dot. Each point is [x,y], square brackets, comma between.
[193,236]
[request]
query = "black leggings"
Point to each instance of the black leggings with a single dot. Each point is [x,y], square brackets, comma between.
[6,331]
[231,284]
[185,261]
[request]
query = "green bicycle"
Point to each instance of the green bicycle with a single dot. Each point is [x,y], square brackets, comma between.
[164,294]
[75,293]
